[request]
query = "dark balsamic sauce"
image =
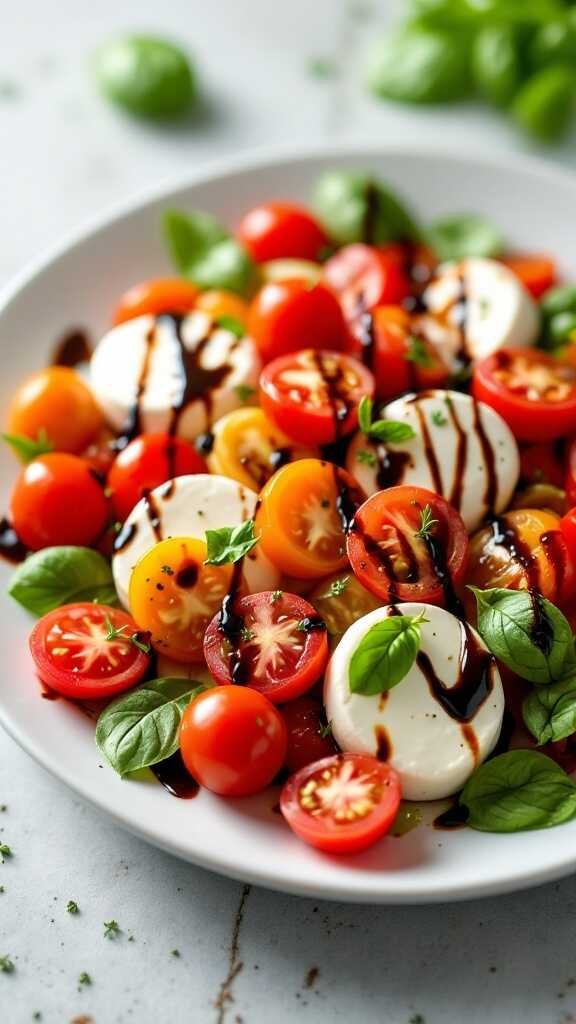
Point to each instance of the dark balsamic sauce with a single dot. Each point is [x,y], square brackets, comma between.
[391,467]
[311,624]
[204,443]
[11,547]
[153,513]
[475,680]
[126,535]
[504,534]
[187,576]
[196,382]
[554,548]
[133,425]
[173,775]
[455,817]
[383,744]
[332,374]
[278,458]
[455,498]
[437,553]
[346,505]
[231,624]
[72,349]
[489,461]
[366,335]
[371,213]
[429,449]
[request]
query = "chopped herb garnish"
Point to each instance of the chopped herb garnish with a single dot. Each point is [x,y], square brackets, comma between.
[246,634]
[230,543]
[325,731]
[2,889]
[427,522]
[244,393]
[6,965]
[84,979]
[277,595]
[439,418]
[135,638]
[111,929]
[3,807]
[366,458]
[175,952]
[167,570]
[337,587]
[418,352]
[72,907]
[5,851]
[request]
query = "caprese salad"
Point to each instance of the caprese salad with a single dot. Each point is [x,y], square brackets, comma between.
[305,513]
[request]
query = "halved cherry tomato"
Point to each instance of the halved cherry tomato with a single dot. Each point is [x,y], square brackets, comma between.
[364,277]
[340,600]
[400,356]
[309,736]
[303,513]
[342,804]
[57,401]
[314,396]
[233,740]
[275,231]
[570,478]
[537,273]
[58,499]
[218,303]
[159,295]
[395,561]
[534,392]
[174,594]
[567,527]
[285,316]
[280,649]
[87,651]
[249,448]
[147,462]
[543,464]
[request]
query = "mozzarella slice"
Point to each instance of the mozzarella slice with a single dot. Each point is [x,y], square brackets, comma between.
[463,450]
[187,507]
[433,752]
[179,373]
[474,308]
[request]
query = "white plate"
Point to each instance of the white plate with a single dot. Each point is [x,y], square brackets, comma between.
[78,285]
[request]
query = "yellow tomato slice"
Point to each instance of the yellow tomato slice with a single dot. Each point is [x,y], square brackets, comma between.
[249,448]
[341,600]
[511,553]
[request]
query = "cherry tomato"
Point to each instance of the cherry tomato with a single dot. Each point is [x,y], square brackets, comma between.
[174,594]
[87,651]
[397,563]
[342,804]
[534,392]
[249,448]
[309,737]
[543,464]
[159,295]
[364,277]
[340,600]
[281,648]
[218,303]
[233,740]
[276,231]
[58,402]
[58,499]
[567,527]
[146,462]
[537,273]
[285,316]
[570,478]
[302,516]
[314,396]
[100,454]
[400,356]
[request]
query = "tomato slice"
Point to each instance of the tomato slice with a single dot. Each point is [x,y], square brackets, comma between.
[309,736]
[342,804]
[340,600]
[74,657]
[537,273]
[534,392]
[363,277]
[249,447]
[148,461]
[390,341]
[393,561]
[313,396]
[279,647]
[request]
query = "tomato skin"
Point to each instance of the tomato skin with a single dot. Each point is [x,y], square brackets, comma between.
[537,273]
[147,462]
[544,463]
[89,684]
[567,528]
[57,401]
[530,419]
[285,316]
[57,499]
[156,296]
[260,614]
[278,230]
[233,740]
[217,303]
[304,722]
[570,477]
[344,836]
[395,373]
[364,277]
[247,446]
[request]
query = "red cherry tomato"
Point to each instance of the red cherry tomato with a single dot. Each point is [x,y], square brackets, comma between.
[146,462]
[74,657]
[364,277]
[568,530]
[309,738]
[314,396]
[534,392]
[285,316]
[58,499]
[544,464]
[160,295]
[342,804]
[400,358]
[537,273]
[570,473]
[393,561]
[233,740]
[275,231]
[281,648]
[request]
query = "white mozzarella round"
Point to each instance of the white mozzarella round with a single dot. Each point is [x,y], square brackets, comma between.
[463,450]
[497,310]
[187,507]
[196,369]
[433,752]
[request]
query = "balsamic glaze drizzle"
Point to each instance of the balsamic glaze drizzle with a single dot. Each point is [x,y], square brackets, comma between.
[475,679]
[172,774]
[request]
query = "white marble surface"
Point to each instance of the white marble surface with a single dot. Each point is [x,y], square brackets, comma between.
[246,956]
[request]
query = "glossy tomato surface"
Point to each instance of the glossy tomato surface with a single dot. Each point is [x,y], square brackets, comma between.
[56,403]
[58,499]
[280,230]
[157,296]
[286,316]
[400,356]
[147,462]
[249,447]
[309,735]
[364,277]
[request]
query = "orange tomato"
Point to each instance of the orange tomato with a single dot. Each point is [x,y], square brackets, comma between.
[217,303]
[536,272]
[249,448]
[56,400]
[159,295]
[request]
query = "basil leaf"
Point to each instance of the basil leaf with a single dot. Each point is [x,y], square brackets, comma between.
[143,727]
[204,252]
[550,711]
[508,624]
[413,64]
[146,76]
[464,236]
[226,265]
[385,654]
[230,323]
[519,790]
[26,448]
[189,235]
[356,208]
[387,431]
[230,543]
[61,575]
[365,408]
[418,353]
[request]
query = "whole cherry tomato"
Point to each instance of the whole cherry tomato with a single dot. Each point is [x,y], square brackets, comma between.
[285,316]
[57,402]
[364,277]
[537,273]
[58,499]
[146,462]
[159,295]
[275,231]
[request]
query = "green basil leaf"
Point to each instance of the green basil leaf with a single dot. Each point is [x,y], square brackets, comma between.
[550,711]
[142,727]
[354,207]
[391,431]
[508,623]
[230,543]
[385,654]
[519,790]
[365,408]
[230,323]
[226,265]
[26,448]
[413,64]
[497,63]
[544,105]
[464,236]
[146,76]
[204,252]
[190,235]
[418,352]
[61,575]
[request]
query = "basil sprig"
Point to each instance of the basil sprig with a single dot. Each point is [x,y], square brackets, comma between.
[549,712]
[385,431]
[230,543]
[205,253]
[464,236]
[27,448]
[519,790]
[61,575]
[142,727]
[385,654]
